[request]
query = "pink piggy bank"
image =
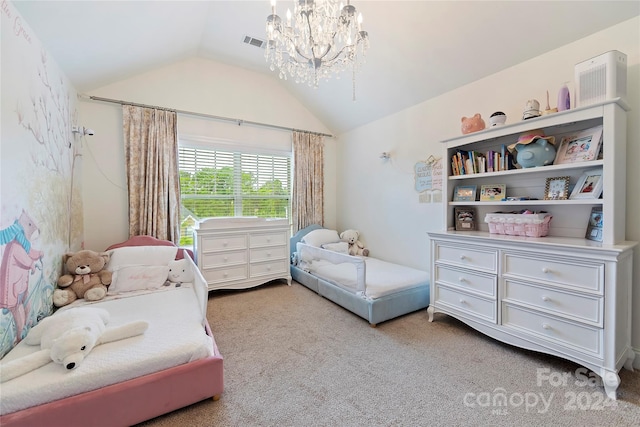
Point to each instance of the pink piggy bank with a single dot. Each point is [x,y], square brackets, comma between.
[472,124]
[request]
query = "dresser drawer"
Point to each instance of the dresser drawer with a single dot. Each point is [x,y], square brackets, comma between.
[217,275]
[275,238]
[577,274]
[579,307]
[269,268]
[220,259]
[569,334]
[476,258]
[224,242]
[466,279]
[472,305]
[267,254]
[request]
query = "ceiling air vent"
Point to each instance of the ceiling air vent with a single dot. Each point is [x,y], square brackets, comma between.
[254,41]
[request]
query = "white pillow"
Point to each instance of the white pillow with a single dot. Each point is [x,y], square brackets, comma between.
[320,237]
[141,255]
[138,277]
[341,247]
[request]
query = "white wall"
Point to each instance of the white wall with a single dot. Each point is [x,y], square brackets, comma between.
[377,197]
[194,85]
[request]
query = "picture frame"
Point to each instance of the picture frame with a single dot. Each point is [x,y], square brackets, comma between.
[582,146]
[594,226]
[465,193]
[589,185]
[465,218]
[557,188]
[493,192]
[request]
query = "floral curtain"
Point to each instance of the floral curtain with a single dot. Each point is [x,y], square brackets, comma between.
[151,155]
[308,180]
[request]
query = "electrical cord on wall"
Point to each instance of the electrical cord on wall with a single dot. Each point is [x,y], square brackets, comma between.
[84,139]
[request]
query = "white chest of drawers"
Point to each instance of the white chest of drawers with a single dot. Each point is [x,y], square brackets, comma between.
[548,295]
[242,252]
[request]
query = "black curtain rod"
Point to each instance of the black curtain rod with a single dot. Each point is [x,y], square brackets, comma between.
[208,116]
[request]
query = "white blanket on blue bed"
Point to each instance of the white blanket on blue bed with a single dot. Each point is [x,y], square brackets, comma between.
[380,278]
[175,336]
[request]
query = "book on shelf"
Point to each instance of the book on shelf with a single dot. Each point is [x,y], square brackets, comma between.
[471,162]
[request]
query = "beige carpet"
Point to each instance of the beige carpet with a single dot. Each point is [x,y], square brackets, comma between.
[293,358]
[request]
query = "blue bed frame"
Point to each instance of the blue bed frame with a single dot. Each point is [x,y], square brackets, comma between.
[373,310]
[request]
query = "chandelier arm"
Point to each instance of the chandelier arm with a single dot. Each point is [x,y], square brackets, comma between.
[313,43]
[337,55]
[299,52]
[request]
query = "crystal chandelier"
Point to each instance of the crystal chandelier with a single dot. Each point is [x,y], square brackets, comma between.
[319,39]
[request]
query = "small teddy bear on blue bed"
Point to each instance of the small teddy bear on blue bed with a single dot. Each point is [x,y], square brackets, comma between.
[356,247]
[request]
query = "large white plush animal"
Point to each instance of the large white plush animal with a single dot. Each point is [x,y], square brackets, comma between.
[66,338]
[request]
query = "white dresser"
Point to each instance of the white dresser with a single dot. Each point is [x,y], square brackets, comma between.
[572,301]
[242,252]
[562,294]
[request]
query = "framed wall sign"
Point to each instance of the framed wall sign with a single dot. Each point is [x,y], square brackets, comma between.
[580,147]
[465,193]
[493,192]
[557,188]
[589,185]
[594,227]
[465,218]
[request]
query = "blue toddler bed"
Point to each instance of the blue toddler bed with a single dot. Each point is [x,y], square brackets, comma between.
[373,289]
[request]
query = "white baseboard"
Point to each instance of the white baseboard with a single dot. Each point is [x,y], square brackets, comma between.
[636,360]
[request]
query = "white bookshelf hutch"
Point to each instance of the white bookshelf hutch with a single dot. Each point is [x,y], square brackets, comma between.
[561,294]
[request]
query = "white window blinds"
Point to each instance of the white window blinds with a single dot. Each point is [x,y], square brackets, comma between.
[228,183]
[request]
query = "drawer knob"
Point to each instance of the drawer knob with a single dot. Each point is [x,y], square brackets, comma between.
[463,301]
[546,326]
[545,298]
[225,243]
[463,257]
[269,268]
[225,274]
[268,253]
[225,259]
[462,280]
[545,270]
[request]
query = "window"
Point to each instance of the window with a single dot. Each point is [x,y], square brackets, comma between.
[228,183]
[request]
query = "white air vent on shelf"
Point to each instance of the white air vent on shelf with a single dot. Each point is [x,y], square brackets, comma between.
[254,41]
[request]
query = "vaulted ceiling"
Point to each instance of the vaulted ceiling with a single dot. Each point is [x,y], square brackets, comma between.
[419,49]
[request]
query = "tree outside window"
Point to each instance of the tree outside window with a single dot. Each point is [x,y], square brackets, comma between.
[216,183]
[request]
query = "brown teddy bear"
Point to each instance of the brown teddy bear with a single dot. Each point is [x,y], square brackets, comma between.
[86,278]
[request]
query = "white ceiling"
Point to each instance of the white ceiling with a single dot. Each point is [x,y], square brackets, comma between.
[419,49]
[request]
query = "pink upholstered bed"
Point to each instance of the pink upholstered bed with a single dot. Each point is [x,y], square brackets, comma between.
[142,397]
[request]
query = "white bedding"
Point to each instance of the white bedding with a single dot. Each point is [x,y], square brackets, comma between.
[381,278]
[175,336]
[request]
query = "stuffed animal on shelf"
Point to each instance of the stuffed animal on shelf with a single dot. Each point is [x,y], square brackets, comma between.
[356,247]
[472,124]
[67,338]
[179,272]
[86,278]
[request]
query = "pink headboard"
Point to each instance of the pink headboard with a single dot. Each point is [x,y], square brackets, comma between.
[150,241]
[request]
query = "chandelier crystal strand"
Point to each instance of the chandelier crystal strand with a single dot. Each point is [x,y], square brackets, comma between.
[318,39]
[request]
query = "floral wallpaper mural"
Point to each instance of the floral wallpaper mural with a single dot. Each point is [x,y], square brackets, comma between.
[40,202]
